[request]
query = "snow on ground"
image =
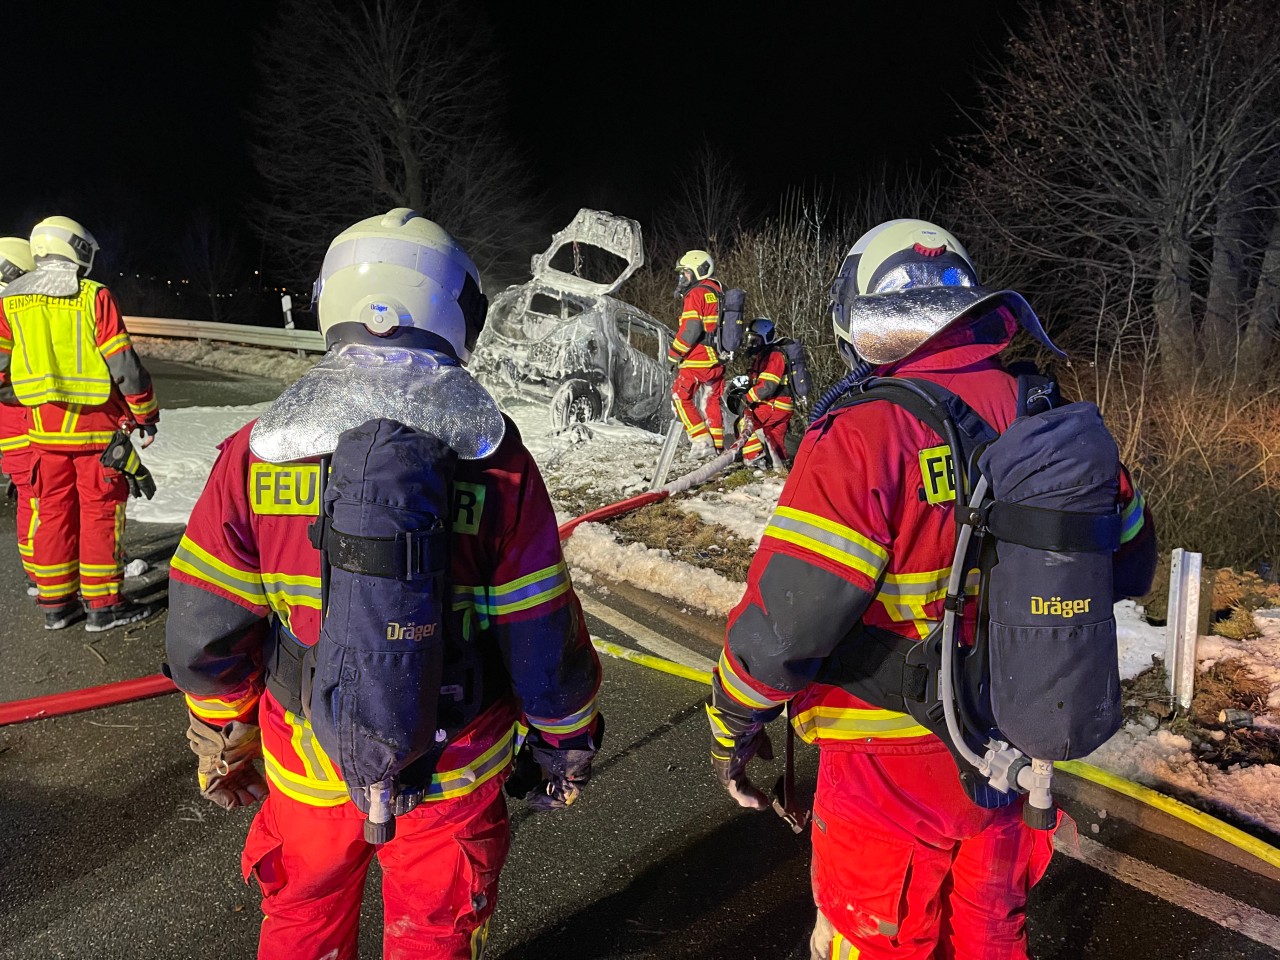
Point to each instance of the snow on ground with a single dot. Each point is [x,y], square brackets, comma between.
[182,455]
[594,549]
[615,461]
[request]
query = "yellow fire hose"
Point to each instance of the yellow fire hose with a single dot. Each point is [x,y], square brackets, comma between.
[1152,798]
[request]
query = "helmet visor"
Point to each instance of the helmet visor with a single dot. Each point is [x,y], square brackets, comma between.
[911,271]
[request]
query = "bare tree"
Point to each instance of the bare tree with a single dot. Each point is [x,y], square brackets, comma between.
[1127,139]
[372,104]
[708,207]
[214,268]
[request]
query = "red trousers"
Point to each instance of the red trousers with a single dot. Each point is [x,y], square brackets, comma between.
[905,867]
[683,393]
[773,423]
[439,877]
[78,540]
[17,464]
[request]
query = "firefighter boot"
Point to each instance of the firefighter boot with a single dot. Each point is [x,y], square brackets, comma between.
[64,615]
[116,615]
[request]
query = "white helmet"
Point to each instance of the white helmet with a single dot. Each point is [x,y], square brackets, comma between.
[903,282]
[400,279]
[15,259]
[65,239]
[697,262]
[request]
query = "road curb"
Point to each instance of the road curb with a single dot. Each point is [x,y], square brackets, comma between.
[1091,801]
[1098,802]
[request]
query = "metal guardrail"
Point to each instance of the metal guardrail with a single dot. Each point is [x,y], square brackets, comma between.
[309,340]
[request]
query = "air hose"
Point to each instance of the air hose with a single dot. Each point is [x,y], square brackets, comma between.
[840,388]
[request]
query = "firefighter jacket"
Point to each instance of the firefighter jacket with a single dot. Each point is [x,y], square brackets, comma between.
[517,646]
[699,317]
[770,381]
[864,531]
[69,360]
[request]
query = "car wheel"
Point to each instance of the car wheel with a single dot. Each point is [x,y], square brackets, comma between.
[577,401]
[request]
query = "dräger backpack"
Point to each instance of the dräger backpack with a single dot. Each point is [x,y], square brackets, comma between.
[1037,516]
[731,323]
[384,538]
[793,349]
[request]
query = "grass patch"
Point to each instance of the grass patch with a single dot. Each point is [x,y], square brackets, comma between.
[580,498]
[665,526]
[1227,685]
[1237,625]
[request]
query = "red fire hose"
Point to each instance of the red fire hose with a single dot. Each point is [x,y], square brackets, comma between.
[90,698]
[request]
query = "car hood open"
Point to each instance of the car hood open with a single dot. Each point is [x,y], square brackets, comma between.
[616,235]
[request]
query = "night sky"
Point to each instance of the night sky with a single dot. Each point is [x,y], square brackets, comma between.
[132,121]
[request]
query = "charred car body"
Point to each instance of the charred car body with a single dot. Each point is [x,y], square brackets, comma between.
[562,337]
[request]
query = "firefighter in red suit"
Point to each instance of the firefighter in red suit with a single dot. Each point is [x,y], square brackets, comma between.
[67,358]
[905,865]
[768,398]
[15,260]
[245,585]
[700,374]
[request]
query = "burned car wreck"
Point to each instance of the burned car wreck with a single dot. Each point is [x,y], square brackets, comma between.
[561,338]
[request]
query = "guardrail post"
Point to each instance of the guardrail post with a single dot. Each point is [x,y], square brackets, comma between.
[1182,625]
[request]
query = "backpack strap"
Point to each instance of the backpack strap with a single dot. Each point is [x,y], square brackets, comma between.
[405,556]
[939,409]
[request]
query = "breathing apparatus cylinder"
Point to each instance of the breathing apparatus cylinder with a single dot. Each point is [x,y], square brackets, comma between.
[379,660]
[1004,767]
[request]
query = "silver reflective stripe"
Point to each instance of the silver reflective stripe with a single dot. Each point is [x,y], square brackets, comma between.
[833,540]
[401,253]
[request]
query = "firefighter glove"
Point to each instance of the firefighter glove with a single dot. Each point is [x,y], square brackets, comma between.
[121,456]
[227,774]
[735,743]
[566,766]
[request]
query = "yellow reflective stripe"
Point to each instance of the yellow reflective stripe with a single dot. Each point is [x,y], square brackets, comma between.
[531,590]
[212,708]
[88,590]
[98,569]
[737,687]
[69,440]
[700,363]
[113,346]
[326,790]
[193,560]
[851,723]
[773,377]
[719,729]
[14,443]
[1132,519]
[319,768]
[55,569]
[316,793]
[842,949]
[566,725]
[148,406]
[286,590]
[456,783]
[49,591]
[827,538]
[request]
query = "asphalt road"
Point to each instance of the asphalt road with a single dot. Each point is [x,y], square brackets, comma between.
[107,851]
